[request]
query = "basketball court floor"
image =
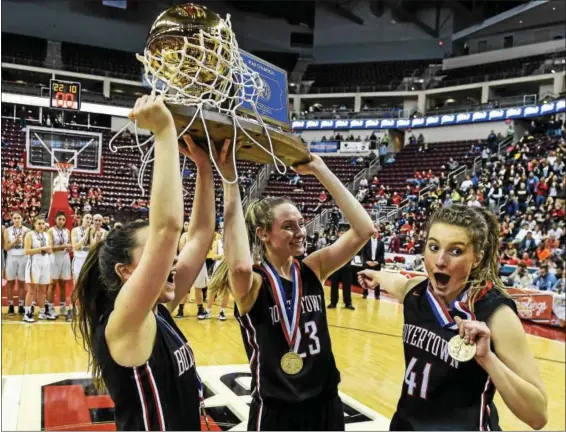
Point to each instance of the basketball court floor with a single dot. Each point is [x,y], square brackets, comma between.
[45,384]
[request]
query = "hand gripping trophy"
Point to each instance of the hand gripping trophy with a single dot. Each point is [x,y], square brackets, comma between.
[192,59]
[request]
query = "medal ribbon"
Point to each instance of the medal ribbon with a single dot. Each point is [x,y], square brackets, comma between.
[441,313]
[61,235]
[40,238]
[290,314]
[17,232]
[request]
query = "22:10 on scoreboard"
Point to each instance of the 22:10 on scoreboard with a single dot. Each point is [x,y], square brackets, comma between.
[65,95]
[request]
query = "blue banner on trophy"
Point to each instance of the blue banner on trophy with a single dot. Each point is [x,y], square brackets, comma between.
[272,101]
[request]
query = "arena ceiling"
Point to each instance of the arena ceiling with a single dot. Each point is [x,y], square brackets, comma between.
[519,17]
[302,12]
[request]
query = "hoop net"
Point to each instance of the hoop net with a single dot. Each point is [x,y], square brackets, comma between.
[65,170]
[205,71]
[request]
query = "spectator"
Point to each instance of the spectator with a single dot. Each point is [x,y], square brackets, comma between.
[520,278]
[544,281]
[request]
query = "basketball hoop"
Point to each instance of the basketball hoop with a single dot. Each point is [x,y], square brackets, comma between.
[65,169]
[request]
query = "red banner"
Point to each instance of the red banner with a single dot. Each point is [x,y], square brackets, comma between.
[537,306]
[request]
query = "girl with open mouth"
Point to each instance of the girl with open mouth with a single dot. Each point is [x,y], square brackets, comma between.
[462,337]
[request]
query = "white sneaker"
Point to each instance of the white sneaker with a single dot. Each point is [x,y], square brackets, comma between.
[28,317]
[53,312]
[222,316]
[62,310]
[47,316]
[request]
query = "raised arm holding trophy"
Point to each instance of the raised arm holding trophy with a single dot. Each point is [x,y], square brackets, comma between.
[216,91]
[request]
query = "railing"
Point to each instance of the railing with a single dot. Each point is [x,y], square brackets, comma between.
[506,102]
[460,171]
[504,143]
[351,89]
[385,213]
[350,114]
[525,71]
[373,167]
[257,187]
[352,186]
[319,221]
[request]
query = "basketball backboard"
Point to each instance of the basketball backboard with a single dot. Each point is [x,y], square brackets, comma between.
[47,146]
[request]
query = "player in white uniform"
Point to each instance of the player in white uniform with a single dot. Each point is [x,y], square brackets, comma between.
[13,243]
[80,240]
[59,239]
[200,284]
[38,269]
[97,233]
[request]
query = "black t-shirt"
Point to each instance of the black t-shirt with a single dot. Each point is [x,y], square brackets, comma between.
[440,393]
[266,344]
[163,393]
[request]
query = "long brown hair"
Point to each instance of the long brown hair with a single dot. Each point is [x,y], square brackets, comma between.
[259,214]
[483,229]
[98,286]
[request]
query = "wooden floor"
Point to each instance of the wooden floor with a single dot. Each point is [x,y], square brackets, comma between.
[366,343]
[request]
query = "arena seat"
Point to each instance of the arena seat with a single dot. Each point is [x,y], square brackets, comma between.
[499,70]
[23,49]
[409,160]
[352,75]
[280,185]
[117,186]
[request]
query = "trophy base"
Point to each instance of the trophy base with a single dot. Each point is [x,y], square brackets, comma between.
[288,148]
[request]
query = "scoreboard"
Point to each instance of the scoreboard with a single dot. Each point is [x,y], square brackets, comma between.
[65,95]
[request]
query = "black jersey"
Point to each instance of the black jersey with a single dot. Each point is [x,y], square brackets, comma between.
[265,344]
[440,393]
[162,394]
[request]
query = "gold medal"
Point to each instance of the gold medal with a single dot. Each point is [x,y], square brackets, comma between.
[291,363]
[460,351]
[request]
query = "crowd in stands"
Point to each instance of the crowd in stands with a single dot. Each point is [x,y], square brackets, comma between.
[21,191]
[83,199]
[524,184]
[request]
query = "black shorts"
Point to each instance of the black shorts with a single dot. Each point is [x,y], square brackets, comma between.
[209,265]
[320,414]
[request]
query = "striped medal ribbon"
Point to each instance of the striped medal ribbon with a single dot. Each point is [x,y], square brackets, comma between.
[291,362]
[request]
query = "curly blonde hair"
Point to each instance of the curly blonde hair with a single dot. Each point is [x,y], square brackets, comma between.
[483,229]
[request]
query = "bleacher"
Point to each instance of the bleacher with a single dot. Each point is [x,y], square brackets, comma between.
[281,186]
[114,186]
[385,75]
[493,71]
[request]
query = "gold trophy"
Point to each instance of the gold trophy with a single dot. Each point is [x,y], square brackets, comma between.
[192,59]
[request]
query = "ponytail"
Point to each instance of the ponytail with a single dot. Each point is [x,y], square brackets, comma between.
[98,286]
[488,269]
[483,229]
[218,285]
[85,302]
[259,214]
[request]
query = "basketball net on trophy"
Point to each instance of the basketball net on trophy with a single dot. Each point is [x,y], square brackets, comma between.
[192,59]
